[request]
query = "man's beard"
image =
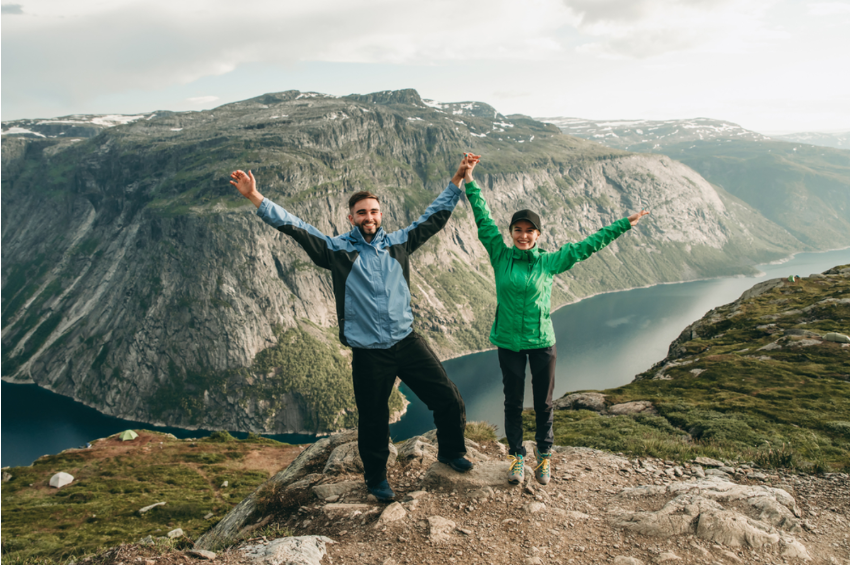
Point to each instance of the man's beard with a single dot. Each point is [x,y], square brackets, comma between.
[363,231]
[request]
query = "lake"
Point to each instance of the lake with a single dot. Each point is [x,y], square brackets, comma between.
[603,342]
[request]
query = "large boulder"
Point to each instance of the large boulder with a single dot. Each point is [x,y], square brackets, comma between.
[346,459]
[594,401]
[632,408]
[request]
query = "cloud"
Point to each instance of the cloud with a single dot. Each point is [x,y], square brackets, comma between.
[829,8]
[637,29]
[11,9]
[202,99]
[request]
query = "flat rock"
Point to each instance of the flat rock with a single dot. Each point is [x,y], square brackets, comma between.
[486,474]
[625,560]
[439,529]
[202,554]
[329,490]
[708,462]
[534,507]
[151,507]
[175,533]
[301,550]
[337,507]
[581,401]
[631,408]
[667,556]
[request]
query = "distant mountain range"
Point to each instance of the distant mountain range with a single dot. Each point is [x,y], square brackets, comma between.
[802,187]
[137,280]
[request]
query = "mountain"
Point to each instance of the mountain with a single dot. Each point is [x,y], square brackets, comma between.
[137,280]
[801,187]
[835,140]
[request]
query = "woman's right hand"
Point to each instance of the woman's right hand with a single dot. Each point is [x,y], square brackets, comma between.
[471,161]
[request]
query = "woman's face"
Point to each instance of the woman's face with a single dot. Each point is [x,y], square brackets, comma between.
[524,234]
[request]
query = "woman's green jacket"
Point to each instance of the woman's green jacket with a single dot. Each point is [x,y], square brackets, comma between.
[524,278]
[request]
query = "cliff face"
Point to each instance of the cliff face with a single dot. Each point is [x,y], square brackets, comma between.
[138,281]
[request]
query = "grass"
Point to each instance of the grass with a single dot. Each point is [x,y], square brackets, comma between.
[113,480]
[786,407]
[480,431]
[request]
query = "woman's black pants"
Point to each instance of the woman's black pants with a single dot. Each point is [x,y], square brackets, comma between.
[513,364]
[414,362]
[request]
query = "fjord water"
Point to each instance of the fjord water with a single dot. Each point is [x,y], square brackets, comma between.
[603,342]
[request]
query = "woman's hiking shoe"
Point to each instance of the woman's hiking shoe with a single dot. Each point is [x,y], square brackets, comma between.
[460,464]
[541,472]
[516,469]
[381,491]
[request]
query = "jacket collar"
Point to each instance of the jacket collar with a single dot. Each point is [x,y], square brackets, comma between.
[526,254]
[357,238]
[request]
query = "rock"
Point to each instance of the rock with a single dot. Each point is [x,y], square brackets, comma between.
[301,550]
[346,459]
[392,513]
[224,484]
[175,533]
[667,556]
[534,507]
[439,529]
[345,508]
[534,560]
[328,490]
[761,288]
[7,477]
[623,560]
[208,515]
[581,401]
[151,507]
[202,554]
[698,471]
[306,482]
[801,332]
[481,493]
[730,556]
[837,337]
[734,530]
[147,540]
[632,408]
[415,495]
[575,515]
[61,479]
[487,474]
[717,473]
[708,462]
[417,447]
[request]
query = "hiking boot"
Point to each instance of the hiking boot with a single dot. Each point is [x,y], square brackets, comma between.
[516,469]
[541,472]
[381,491]
[460,464]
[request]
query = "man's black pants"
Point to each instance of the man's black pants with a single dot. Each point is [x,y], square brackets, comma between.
[374,372]
[542,384]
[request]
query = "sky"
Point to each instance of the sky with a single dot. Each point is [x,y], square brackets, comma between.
[773,66]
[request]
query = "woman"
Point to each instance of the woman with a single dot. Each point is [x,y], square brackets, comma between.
[523,329]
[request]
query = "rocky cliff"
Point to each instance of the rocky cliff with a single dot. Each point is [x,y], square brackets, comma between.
[136,280]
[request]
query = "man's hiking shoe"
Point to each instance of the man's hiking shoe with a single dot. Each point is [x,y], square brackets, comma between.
[541,472]
[460,464]
[381,491]
[515,471]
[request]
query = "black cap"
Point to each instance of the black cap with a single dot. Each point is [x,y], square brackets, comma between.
[528,216]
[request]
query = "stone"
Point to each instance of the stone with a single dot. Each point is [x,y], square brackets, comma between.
[625,560]
[7,477]
[147,540]
[415,495]
[730,556]
[305,482]
[346,459]
[328,490]
[632,408]
[175,533]
[734,530]
[481,493]
[151,507]
[487,474]
[533,560]
[61,479]
[667,556]
[345,508]
[708,462]
[417,447]
[439,529]
[392,513]
[208,515]
[202,554]
[837,337]
[534,507]
[581,401]
[301,550]
[224,484]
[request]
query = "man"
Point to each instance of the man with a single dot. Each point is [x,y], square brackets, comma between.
[371,282]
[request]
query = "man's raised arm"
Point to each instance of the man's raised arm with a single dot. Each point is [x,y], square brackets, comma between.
[317,245]
[437,214]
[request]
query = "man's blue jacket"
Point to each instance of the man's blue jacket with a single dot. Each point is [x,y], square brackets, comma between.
[371,281]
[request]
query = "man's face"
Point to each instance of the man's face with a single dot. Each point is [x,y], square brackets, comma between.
[366,215]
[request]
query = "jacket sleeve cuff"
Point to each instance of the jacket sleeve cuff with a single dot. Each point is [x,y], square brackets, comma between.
[262,211]
[456,188]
